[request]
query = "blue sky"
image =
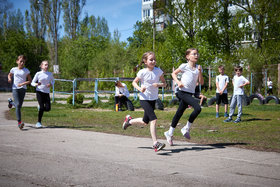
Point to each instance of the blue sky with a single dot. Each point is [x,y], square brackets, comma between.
[120,14]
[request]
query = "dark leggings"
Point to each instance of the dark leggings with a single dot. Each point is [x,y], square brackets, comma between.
[120,100]
[18,95]
[186,99]
[149,113]
[44,102]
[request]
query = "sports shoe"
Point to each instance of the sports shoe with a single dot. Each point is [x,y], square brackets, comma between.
[226,115]
[228,120]
[185,133]
[158,146]
[126,122]
[38,125]
[217,115]
[20,125]
[169,138]
[237,120]
[10,105]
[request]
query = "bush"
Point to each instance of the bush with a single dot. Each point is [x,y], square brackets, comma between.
[79,99]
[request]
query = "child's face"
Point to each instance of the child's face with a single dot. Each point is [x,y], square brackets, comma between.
[238,72]
[45,66]
[193,56]
[20,63]
[221,71]
[151,61]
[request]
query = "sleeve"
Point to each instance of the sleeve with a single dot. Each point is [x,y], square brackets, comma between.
[217,79]
[34,80]
[182,67]
[12,70]
[246,80]
[117,91]
[227,79]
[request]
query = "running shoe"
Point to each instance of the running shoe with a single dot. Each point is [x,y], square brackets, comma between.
[217,115]
[20,125]
[158,146]
[169,138]
[126,122]
[10,103]
[185,133]
[228,120]
[226,115]
[237,120]
[38,125]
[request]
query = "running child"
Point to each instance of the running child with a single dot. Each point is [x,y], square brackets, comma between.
[21,76]
[191,74]
[222,81]
[43,80]
[149,78]
[238,82]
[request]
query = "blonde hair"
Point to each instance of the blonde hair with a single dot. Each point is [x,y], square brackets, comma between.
[144,59]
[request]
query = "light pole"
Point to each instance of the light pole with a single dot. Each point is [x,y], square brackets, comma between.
[54,32]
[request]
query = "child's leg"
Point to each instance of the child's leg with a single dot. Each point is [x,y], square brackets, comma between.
[217,108]
[232,105]
[239,104]
[18,95]
[153,130]
[41,103]
[180,111]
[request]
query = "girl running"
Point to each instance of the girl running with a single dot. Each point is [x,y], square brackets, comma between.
[20,74]
[191,74]
[43,80]
[149,78]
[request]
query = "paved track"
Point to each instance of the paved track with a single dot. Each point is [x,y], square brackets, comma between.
[64,157]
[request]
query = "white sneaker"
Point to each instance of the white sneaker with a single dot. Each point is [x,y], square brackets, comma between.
[169,138]
[186,133]
[38,125]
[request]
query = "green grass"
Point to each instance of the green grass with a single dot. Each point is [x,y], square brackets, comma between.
[259,129]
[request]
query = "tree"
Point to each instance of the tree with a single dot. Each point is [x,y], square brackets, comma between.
[72,10]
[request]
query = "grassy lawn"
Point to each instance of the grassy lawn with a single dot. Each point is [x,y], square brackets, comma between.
[259,129]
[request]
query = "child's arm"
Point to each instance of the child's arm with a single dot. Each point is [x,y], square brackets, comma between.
[10,75]
[200,76]
[246,83]
[174,76]
[29,79]
[162,84]
[135,84]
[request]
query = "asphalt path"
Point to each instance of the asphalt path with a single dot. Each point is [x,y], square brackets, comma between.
[65,157]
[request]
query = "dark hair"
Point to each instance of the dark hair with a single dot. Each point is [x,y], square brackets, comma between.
[238,68]
[221,67]
[23,58]
[188,51]
[144,58]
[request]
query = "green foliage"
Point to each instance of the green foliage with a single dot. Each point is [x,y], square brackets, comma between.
[79,99]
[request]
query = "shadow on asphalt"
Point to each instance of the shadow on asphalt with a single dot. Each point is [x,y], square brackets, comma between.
[193,147]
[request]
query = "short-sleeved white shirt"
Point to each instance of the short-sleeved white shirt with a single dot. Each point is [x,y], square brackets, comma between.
[237,81]
[269,84]
[147,78]
[222,80]
[44,77]
[20,76]
[122,90]
[189,77]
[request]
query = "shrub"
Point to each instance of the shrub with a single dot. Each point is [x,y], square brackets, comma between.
[79,99]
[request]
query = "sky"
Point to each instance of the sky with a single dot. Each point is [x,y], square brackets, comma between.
[120,14]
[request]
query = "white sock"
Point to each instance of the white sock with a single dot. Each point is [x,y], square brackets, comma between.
[188,126]
[171,131]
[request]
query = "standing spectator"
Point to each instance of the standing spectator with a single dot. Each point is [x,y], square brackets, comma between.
[121,94]
[269,85]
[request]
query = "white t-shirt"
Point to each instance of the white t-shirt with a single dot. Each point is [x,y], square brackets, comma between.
[222,80]
[44,77]
[237,81]
[269,84]
[189,77]
[20,76]
[147,78]
[122,90]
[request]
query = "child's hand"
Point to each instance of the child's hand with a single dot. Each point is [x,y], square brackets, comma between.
[221,92]
[38,84]
[48,85]
[180,85]
[143,88]
[20,85]
[155,85]
[199,68]
[9,80]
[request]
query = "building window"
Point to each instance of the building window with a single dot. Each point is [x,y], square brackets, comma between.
[146,0]
[146,13]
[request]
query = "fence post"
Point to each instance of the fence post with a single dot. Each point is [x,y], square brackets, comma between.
[251,85]
[53,92]
[96,90]
[74,88]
